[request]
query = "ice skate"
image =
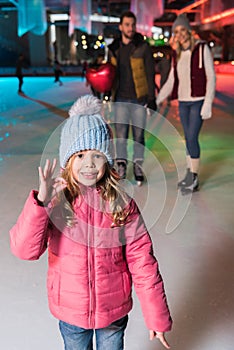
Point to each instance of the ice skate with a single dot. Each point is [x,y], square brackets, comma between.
[187,179]
[138,172]
[191,186]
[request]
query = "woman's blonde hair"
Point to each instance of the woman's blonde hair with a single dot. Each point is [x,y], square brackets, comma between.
[110,190]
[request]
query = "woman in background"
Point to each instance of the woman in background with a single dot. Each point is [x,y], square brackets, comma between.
[192,82]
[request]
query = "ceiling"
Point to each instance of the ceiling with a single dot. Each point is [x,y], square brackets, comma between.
[108,7]
[192,8]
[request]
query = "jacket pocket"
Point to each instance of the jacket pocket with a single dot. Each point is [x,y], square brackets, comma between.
[53,287]
[127,283]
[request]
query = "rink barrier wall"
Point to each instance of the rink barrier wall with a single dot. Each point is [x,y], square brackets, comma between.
[222,68]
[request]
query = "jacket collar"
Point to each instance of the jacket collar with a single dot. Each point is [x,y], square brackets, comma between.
[137,40]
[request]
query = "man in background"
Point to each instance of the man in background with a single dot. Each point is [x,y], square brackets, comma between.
[134,88]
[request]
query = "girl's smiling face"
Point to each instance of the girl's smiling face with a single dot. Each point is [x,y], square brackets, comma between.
[88,167]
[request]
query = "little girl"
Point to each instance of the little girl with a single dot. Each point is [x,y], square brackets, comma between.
[96,239]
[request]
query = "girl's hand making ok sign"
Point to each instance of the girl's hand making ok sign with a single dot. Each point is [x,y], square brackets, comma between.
[49,187]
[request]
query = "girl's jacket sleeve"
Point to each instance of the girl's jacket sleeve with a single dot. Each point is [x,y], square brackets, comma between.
[28,237]
[147,279]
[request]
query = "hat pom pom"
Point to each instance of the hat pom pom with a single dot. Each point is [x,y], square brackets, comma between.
[86,105]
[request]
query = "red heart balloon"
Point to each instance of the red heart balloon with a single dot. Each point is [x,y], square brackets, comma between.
[101,78]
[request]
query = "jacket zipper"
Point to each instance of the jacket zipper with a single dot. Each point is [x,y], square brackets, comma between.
[90,260]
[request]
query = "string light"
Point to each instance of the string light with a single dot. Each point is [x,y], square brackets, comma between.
[219,16]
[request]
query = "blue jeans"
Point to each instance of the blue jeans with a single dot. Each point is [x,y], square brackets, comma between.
[190,116]
[108,338]
[129,112]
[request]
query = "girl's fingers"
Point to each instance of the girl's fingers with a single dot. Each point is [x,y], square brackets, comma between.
[46,167]
[57,189]
[60,179]
[41,174]
[53,165]
[162,339]
[49,168]
[152,335]
[59,185]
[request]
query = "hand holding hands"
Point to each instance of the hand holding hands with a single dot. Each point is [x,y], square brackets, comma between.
[160,336]
[49,187]
[152,104]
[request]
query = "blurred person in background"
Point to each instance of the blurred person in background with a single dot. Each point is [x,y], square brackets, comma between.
[57,72]
[20,64]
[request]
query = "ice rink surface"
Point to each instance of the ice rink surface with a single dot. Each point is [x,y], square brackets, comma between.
[193,236]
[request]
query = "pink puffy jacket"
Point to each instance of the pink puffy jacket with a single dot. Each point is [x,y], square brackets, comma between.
[92,265]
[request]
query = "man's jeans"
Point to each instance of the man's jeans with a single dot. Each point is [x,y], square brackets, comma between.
[108,338]
[129,112]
